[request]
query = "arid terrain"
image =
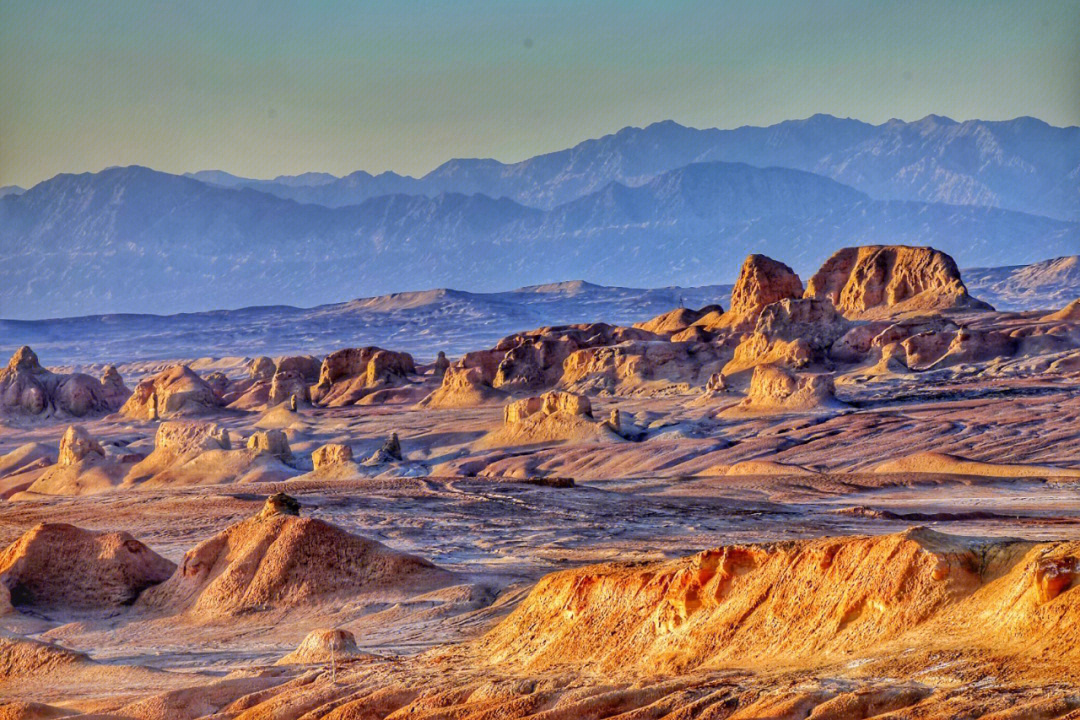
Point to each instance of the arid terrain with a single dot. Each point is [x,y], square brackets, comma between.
[854,495]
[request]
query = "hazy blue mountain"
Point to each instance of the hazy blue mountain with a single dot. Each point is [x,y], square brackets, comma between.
[133,239]
[1047,285]
[422,323]
[11,190]
[1022,164]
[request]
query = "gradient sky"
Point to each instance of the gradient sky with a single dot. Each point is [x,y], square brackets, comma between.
[264,88]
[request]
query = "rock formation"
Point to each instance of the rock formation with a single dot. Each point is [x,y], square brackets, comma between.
[1069,313]
[324,646]
[390,452]
[55,565]
[83,467]
[762,281]
[261,368]
[176,443]
[894,278]
[552,417]
[270,442]
[678,320]
[175,392]
[331,455]
[776,389]
[462,387]
[279,561]
[640,368]
[349,376]
[793,333]
[76,444]
[28,388]
[441,364]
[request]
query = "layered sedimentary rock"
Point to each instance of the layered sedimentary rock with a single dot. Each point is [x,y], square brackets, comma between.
[893,278]
[777,389]
[175,392]
[83,467]
[55,565]
[278,561]
[28,388]
[793,333]
[762,281]
[353,375]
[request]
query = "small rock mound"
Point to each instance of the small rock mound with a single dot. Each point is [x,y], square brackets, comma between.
[863,279]
[261,368]
[270,442]
[776,389]
[324,646]
[552,417]
[28,388]
[677,320]
[280,504]
[175,392]
[762,281]
[22,657]
[279,561]
[388,453]
[56,565]
[76,444]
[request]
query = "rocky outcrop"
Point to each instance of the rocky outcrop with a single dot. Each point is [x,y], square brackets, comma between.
[441,364]
[1070,313]
[348,376]
[640,367]
[178,442]
[261,368]
[279,561]
[76,444]
[55,565]
[793,333]
[554,417]
[389,452]
[677,320]
[175,392]
[462,387]
[331,455]
[28,388]
[762,281]
[891,278]
[776,389]
[272,383]
[270,442]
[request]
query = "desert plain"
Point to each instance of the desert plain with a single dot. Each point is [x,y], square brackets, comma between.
[856,496]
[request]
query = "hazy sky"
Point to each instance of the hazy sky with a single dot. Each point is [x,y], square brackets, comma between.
[261,89]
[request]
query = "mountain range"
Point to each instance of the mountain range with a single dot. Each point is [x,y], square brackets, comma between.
[655,206]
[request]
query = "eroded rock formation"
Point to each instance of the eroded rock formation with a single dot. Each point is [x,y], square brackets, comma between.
[28,388]
[175,392]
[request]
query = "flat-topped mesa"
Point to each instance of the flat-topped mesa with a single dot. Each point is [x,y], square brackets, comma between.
[278,560]
[28,388]
[350,376]
[762,281]
[878,279]
[56,565]
[175,392]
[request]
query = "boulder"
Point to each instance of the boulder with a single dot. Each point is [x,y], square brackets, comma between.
[896,278]
[56,565]
[174,392]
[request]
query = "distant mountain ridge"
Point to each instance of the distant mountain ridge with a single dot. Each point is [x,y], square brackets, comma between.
[1022,164]
[136,239]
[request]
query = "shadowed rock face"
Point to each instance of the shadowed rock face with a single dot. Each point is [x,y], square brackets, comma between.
[56,565]
[860,279]
[28,388]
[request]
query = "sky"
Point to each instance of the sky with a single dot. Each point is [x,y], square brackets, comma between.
[267,88]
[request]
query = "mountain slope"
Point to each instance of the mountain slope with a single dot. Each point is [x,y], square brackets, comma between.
[132,239]
[1050,284]
[1022,164]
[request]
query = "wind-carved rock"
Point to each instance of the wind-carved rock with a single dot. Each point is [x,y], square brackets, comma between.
[28,388]
[175,392]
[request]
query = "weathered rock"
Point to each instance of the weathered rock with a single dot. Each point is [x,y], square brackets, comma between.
[175,392]
[270,442]
[288,384]
[261,368]
[762,281]
[441,364]
[552,417]
[347,376]
[549,403]
[28,388]
[1069,313]
[880,277]
[76,444]
[279,504]
[218,382]
[55,565]
[115,391]
[324,646]
[774,388]
[462,387]
[641,367]
[389,452]
[793,333]
[676,320]
[331,454]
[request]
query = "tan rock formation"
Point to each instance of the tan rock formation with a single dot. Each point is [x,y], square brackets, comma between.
[55,565]
[442,363]
[891,278]
[347,376]
[552,417]
[261,368]
[762,281]
[270,442]
[776,389]
[793,333]
[677,320]
[1069,313]
[462,387]
[175,392]
[331,455]
[324,646]
[76,444]
[640,367]
[277,561]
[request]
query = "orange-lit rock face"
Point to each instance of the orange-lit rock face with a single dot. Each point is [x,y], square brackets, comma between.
[762,281]
[860,279]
